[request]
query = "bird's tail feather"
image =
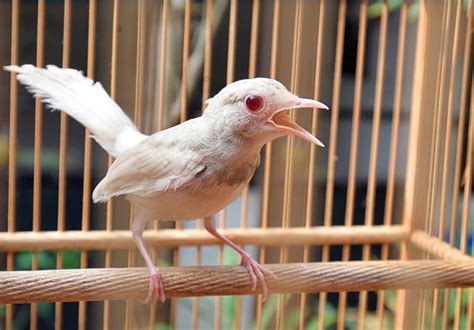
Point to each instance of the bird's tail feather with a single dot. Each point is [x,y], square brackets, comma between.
[87,102]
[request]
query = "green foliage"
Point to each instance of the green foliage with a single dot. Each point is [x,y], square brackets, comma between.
[465,296]
[46,312]
[269,310]
[47,259]
[162,326]
[229,304]
[230,257]
[71,259]
[413,11]
[330,318]
[374,10]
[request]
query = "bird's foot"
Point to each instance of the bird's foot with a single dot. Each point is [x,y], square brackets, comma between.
[256,272]
[155,290]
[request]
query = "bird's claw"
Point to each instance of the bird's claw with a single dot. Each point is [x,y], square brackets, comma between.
[155,290]
[256,272]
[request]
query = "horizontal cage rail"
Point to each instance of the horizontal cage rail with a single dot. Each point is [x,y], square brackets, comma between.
[436,247]
[20,287]
[122,239]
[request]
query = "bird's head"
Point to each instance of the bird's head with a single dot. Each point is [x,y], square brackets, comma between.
[256,109]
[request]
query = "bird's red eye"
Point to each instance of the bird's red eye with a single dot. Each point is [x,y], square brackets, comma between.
[254,103]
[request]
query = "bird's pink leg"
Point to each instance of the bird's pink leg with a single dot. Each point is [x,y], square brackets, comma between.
[256,271]
[155,290]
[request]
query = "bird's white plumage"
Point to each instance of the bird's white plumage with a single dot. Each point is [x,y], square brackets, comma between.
[87,102]
[171,165]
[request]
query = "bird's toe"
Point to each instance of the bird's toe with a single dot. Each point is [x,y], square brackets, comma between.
[256,272]
[156,289]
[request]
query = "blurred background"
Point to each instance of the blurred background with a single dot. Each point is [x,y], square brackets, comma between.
[161,59]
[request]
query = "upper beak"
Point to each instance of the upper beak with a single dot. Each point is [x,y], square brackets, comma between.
[283,122]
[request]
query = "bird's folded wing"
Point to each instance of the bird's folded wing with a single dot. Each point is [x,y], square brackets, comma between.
[149,168]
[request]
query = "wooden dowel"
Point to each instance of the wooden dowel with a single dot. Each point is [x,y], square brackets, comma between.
[63,146]
[21,287]
[312,151]
[353,157]
[331,167]
[374,150]
[13,123]
[393,161]
[122,239]
[436,247]
[268,155]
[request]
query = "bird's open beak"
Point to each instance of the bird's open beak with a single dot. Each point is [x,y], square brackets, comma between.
[282,121]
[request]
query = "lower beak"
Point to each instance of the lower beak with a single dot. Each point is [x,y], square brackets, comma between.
[284,123]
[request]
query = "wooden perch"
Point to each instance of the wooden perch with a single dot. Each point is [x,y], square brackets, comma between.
[19,287]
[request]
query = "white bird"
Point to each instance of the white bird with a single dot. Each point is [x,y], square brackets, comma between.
[189,171]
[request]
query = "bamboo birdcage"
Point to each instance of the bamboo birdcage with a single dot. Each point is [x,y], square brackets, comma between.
[374,231]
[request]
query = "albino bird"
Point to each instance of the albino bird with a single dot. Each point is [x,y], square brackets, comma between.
[189,171]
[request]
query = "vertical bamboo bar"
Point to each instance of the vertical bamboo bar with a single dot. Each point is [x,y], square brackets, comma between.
[459,152]
[37,173]
[183,117]
[220,258]
[354,147]
[375,139]
[389,199]
[234,7]
[268,151]
[138,114]
[113,94]
[232,41]
[184,77]
[448,122]
[254,38]
[86,189]
[12,146]
[329,201]
[312,150]
[161,111]
[162,77]
[288,183]
[138,120]
[468,184]
[205,95]
[206,84]
[252,73]
[108,225]
[86,193]
[439,117]
[466,205]
[413,150]
[446,159]
[229,78]
[63,155]
[435,151]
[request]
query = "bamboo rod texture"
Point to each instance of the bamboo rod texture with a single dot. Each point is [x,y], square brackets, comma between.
[12,147]
[436,247]
[122,239]
[352,175]
[118,283]
[61,222]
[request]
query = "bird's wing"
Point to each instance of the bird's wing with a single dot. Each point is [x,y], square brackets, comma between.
[158,164]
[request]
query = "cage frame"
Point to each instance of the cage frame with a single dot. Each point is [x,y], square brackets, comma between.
[453,268]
